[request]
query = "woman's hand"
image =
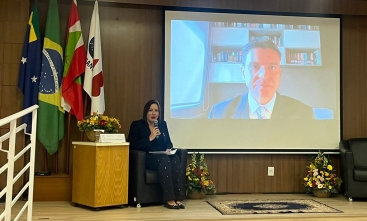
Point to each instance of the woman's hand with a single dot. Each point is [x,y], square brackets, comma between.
[154,132]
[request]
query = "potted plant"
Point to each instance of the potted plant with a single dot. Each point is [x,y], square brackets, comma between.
[198,182]
[98,122]
[321,179]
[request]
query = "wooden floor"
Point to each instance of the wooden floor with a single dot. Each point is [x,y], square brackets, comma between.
[195,210]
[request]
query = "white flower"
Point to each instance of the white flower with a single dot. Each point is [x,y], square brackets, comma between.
[321,179]
[319,186]
[315,173]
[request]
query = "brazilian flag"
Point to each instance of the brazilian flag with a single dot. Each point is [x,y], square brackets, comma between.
[50,128]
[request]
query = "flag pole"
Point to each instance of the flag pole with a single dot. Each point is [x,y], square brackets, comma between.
[68,146]
[85,114]
[57,162]
[45,163]
[74,67]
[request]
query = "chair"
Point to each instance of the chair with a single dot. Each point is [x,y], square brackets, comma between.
[353,155]
[143,183]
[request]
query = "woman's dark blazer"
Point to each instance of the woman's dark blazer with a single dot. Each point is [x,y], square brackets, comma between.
[139,137]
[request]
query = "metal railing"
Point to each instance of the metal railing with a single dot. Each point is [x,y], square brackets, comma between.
[12,156]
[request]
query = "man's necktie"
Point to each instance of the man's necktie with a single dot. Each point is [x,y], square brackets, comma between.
[261,112]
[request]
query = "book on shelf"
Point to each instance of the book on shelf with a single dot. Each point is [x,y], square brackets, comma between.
[303,58]
[276,39]
[227,56]
[263,25]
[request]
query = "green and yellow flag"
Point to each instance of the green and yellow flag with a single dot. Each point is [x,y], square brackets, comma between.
[50,128]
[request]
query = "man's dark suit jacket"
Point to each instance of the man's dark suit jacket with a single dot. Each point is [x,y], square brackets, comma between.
[284,107]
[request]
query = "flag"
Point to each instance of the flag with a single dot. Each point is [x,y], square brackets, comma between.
[30,65]
[50,128]
[74,66]
[93,80]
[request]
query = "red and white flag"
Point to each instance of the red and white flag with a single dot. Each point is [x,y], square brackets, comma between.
[93,80]
[74,66]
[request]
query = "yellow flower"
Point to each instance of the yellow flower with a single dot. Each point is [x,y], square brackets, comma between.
[329,167]
[326,174]
[330,187]
[99,121]
[306,178]
[189,178]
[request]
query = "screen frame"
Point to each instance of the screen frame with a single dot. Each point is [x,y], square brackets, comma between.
[250,12]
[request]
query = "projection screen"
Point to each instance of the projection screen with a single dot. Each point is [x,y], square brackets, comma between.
[212,86]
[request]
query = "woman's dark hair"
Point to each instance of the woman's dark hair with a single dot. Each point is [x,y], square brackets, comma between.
[147,107]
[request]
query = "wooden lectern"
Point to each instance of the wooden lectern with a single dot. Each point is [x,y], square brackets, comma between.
[100,174]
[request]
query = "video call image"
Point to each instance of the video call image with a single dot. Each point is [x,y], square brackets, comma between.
[253,72]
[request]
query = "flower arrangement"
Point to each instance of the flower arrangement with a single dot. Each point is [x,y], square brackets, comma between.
[321,175]
[198,177]
[99,121]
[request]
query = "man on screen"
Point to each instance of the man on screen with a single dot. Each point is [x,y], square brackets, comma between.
[261,71]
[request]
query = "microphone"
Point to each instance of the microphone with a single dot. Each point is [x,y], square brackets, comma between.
[156,125]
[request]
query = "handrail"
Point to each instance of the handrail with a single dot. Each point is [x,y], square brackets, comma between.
[7,135]
[12,157]
[17,115]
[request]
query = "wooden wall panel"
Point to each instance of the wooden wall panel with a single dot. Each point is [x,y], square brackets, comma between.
[354,76]
[1,84]
[8,97]
[2,10]
[16,10]
[10,74]
[4,112]
[2,38]
[345,7]
[247,173]
[11,102]
[14,31]
[300,167]
[1,46]
[12,53]
[237,178]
